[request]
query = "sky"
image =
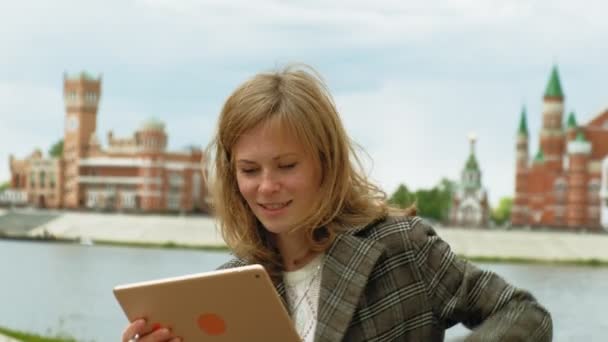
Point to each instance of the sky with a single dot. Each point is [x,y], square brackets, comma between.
[411,79]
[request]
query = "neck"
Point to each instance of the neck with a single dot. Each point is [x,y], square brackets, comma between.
[295,250]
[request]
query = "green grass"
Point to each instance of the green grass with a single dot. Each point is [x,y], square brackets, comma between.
[516,260]
[27,337]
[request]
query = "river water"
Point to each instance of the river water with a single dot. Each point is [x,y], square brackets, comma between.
[54,288]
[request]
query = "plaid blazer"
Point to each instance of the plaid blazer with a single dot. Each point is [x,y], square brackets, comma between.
[396,280]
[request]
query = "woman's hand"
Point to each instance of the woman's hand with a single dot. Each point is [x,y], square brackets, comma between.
[138,328]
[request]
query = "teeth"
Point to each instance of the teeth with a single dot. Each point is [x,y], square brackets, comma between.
[274,205]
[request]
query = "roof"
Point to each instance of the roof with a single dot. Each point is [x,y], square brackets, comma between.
[84,75]
[540,156]
[523,123]
[152,124]
[599,120]
[472,163]
[580,137]
[572,120]
[554,87]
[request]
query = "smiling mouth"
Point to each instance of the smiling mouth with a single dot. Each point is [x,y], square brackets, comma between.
[274,206]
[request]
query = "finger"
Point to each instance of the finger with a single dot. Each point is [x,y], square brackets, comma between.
[133,328]
[159,335]
[150,328]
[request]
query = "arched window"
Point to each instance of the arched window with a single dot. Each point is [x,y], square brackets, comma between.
[42,179]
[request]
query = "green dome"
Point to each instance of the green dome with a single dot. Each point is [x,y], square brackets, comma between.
[580,137]
[572,121]
[152,124]
[472,163]
[540,156]
[554,87]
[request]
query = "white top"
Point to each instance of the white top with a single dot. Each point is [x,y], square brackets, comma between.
[302,288]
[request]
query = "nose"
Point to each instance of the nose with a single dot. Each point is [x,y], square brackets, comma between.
[269,184]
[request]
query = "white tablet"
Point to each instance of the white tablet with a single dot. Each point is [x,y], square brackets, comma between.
[237,304]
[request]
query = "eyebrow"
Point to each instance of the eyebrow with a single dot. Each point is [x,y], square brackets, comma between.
[275,158]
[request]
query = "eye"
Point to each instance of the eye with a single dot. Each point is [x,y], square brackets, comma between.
[288,166]
[249,170]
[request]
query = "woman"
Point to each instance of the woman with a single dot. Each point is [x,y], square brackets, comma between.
[289,194]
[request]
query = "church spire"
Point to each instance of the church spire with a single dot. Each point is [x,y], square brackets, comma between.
[523,123]
[572,121]
[554,87]
[472,161]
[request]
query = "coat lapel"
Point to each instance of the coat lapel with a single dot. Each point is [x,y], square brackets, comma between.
[280,286]
[345,274]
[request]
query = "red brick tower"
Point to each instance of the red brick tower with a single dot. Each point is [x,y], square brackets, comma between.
[552,138]
[520,204]
[579,151]
[152,140]
[81,95]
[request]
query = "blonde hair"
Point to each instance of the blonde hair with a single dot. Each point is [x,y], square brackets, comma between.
[298,100]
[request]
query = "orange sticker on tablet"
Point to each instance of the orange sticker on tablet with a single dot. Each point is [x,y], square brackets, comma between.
[211,324]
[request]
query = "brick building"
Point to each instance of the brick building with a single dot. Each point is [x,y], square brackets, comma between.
[132,173]
[470,199]
[561,186]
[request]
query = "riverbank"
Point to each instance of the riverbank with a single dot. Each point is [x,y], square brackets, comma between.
[200,232]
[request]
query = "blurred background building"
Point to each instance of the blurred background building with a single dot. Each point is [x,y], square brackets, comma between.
[133,173]
[470,206]
[564,185]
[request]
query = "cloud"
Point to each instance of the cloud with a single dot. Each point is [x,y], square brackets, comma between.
[156,32]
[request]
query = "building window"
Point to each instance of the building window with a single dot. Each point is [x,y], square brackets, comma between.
[593,189]
[90,97]
[176,180]
[42,179]
[196,187]
[559,189]
[52,180]
[71,96]
[127,200]
[173,202]
[560,185]
[91,199]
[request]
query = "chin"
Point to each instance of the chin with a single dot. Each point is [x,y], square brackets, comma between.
[275,228]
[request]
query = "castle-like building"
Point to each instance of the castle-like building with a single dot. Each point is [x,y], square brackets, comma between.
[564,184]
[470,199]
[134,173]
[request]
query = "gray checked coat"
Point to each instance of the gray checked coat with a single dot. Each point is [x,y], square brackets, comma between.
[396,280]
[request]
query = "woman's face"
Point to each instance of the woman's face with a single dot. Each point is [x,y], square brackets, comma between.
[277,177]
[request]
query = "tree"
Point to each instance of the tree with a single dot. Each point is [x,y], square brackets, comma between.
[432,203]
[502,213]
[402,197]
[56,150]
[446,192]
[4,186]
